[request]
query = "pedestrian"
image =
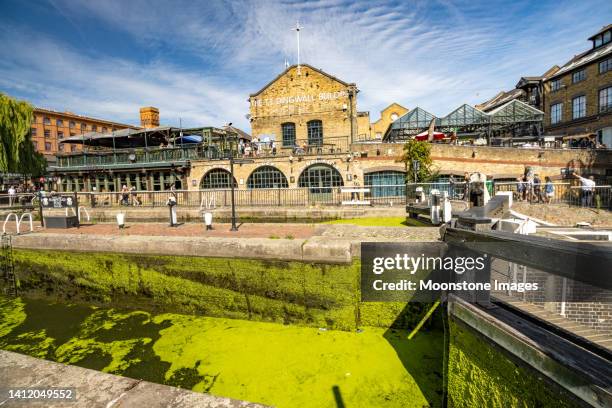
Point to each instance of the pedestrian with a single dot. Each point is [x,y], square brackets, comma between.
[466,187]
[273,148]
[125,195]
[537,188]
[587,187]
[549,189]
[12,194]
[520,189]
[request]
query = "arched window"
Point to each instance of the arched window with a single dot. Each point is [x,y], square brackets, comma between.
[320,178]
[386,183]
[267,177]
[217,178]
[288,131]
[315,132]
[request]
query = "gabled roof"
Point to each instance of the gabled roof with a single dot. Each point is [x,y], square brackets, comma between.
[301,65]
[515,111]
[393,104]
[464,115]
[416,118]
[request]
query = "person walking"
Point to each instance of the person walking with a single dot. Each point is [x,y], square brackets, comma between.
[549,189]
[587,189]
[520,189]
[12,193]
[537,189]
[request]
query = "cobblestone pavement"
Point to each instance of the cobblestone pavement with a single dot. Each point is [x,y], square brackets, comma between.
[352,232]
[195,229]
[255,230]
[565,215]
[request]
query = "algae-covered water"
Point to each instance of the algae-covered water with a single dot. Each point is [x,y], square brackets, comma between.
[270,363]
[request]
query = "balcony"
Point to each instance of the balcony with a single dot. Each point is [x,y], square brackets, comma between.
[182,156]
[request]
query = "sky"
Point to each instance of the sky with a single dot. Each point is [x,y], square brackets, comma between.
[198,61]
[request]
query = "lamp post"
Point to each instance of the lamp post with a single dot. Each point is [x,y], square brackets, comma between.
[232,160]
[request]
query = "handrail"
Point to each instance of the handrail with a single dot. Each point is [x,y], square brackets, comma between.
[8,217]
[29,214]
[82,207]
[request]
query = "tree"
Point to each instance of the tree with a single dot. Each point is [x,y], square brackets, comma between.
[421,152]
[17,154]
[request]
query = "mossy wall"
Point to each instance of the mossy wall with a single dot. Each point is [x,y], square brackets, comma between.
[480,375]
[316,295]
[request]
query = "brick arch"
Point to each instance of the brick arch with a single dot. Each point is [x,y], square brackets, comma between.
[210,179]
[282,180]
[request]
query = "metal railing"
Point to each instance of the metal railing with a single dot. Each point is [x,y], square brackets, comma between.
[380,195]
[138,156]
[562,192]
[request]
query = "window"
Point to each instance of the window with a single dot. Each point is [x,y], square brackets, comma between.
[288,131]
[60,147]
[386,183]
[73,148]
[578,76]
[607,36]
[605,66]
[320,178]
[72,124]
[605,99]
[104,130]
[47,146]
[47,133]
[94,128]
[556,113]
[315,132]
[217,178]
[267,177]
[394,117]
[555,85]
[83,127]
[598,40]
[60,134]
[579,107]
[33,131]
[59,123]
[46,121]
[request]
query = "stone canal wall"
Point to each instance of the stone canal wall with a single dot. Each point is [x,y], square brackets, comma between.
[318,295]
[97,389]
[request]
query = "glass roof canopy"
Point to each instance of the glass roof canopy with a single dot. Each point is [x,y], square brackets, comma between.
[515,118]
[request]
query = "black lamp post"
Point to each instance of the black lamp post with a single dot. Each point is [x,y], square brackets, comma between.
[232,160]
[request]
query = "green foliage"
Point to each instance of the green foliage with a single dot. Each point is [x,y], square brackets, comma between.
[420,151]
[17,153]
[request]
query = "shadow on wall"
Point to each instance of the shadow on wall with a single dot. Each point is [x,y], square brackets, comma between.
[424,362]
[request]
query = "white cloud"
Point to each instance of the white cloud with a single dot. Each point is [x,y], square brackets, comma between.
[435,55]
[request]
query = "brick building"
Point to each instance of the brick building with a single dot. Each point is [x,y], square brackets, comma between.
[304,106]
[49,127]
[578,97]
[387,116]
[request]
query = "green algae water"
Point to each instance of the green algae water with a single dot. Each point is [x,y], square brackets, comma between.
[269,363]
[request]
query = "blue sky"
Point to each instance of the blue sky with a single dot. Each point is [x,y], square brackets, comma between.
[199,60]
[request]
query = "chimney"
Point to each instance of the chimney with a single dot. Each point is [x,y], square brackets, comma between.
[149,117]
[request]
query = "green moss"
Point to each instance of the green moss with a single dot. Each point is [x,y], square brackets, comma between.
[271,291]
[482,376]
[11,315]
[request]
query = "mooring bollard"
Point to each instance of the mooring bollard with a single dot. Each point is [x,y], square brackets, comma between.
[172,206]
[208,220]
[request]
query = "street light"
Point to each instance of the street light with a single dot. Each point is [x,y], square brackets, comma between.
[232,160]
